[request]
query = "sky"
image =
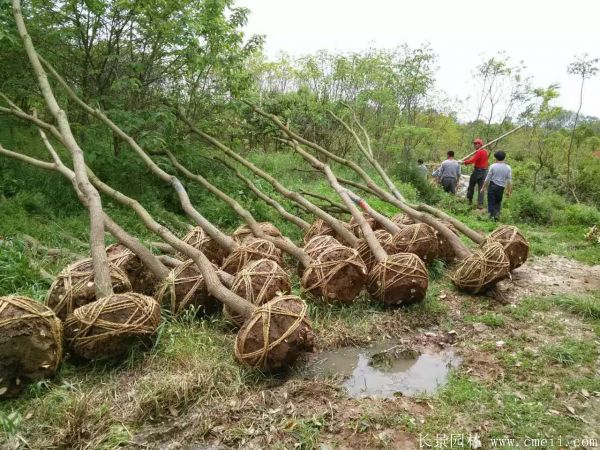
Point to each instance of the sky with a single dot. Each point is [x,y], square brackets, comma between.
[545,35]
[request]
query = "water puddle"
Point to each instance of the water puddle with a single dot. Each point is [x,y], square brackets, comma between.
[385,369]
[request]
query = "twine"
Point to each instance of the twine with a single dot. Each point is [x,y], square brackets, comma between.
[244,231]
[514,243]
[198,239]
[479,271]
[355,227]
[364,250]
[398,270]
[318,244]
[265,314]
[326,266]
[318,228]
[77,282]
[30,310]
[419,238]
[90,324]
[185,274]
[258,282]
[445,250]
[402,219]
[251,249]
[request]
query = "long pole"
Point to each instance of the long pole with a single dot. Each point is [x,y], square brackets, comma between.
[493,141]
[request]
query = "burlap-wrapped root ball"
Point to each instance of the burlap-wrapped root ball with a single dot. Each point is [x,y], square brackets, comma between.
[276,335]
[355,227]
[319,228]
[109,327]
[30,343]
[185,288]
[244,231]
[74,286]
[400,279]
[141,278]
[402,219]
[338,274]
[515,245]
[481,270]
[317,244]
[384,238]
[445,250]
[420,239]
[258,282]
[198,239]
[251,249]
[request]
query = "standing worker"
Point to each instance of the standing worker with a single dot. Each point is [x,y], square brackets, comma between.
[480,161]
[449,173]
[498,178]
[422,168]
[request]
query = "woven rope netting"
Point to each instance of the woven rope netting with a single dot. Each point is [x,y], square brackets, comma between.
[402,219]
[420,239]
[384,238]
[258,282]
[514,243]
[338,274]
[107,328]
[445,250]
[244,231]
[251,249]
[184,288]
[400,279]
[30,343]
[198,239]
[276,334]
[141,279]
[355,227]
[319,228]
[481,270]
[318,244]
[74,286]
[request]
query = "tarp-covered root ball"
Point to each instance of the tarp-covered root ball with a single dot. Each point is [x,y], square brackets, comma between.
[244,231]
[515,245]
[198,239]
[109,327]
[185,288]
[338,274]
[30,343]
[482,269]
[258,282]
[251,249]
[275,335]
[384,238]
[400,279]
[141,278]
[420,239]
[74,286]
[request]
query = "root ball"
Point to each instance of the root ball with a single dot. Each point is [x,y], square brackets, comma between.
[355,227]
[244,231]
[258,282]
[251,249]
[515,245]
[338,274]
[184,288]
[109,327]
[198,239]
[402,219]
[318,244]
[74,286]
[398,280]
[384,238]
[276,334]
[142,280]
[481,270]
[445,250]
[420,239]
[30,343]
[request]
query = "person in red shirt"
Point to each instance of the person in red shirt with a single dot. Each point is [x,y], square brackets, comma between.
[480,161]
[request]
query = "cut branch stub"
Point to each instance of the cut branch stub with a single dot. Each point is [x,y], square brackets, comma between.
[276,334]
[244,231]
[258,282]
[185,288]
[337,274]
[514,243]
[198,239]
[420,239]
[399,279]
[482,269]
[30,343]
[74,287]
[109,327]
[251,249]
[141,278]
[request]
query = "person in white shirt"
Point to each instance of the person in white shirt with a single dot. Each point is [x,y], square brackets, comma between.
[449,173]
[498,179]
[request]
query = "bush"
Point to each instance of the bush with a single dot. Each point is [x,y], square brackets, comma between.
[410,175]
[578,214]
[536,207]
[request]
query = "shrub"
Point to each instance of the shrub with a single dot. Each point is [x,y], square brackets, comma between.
[536,207]
[578,214]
